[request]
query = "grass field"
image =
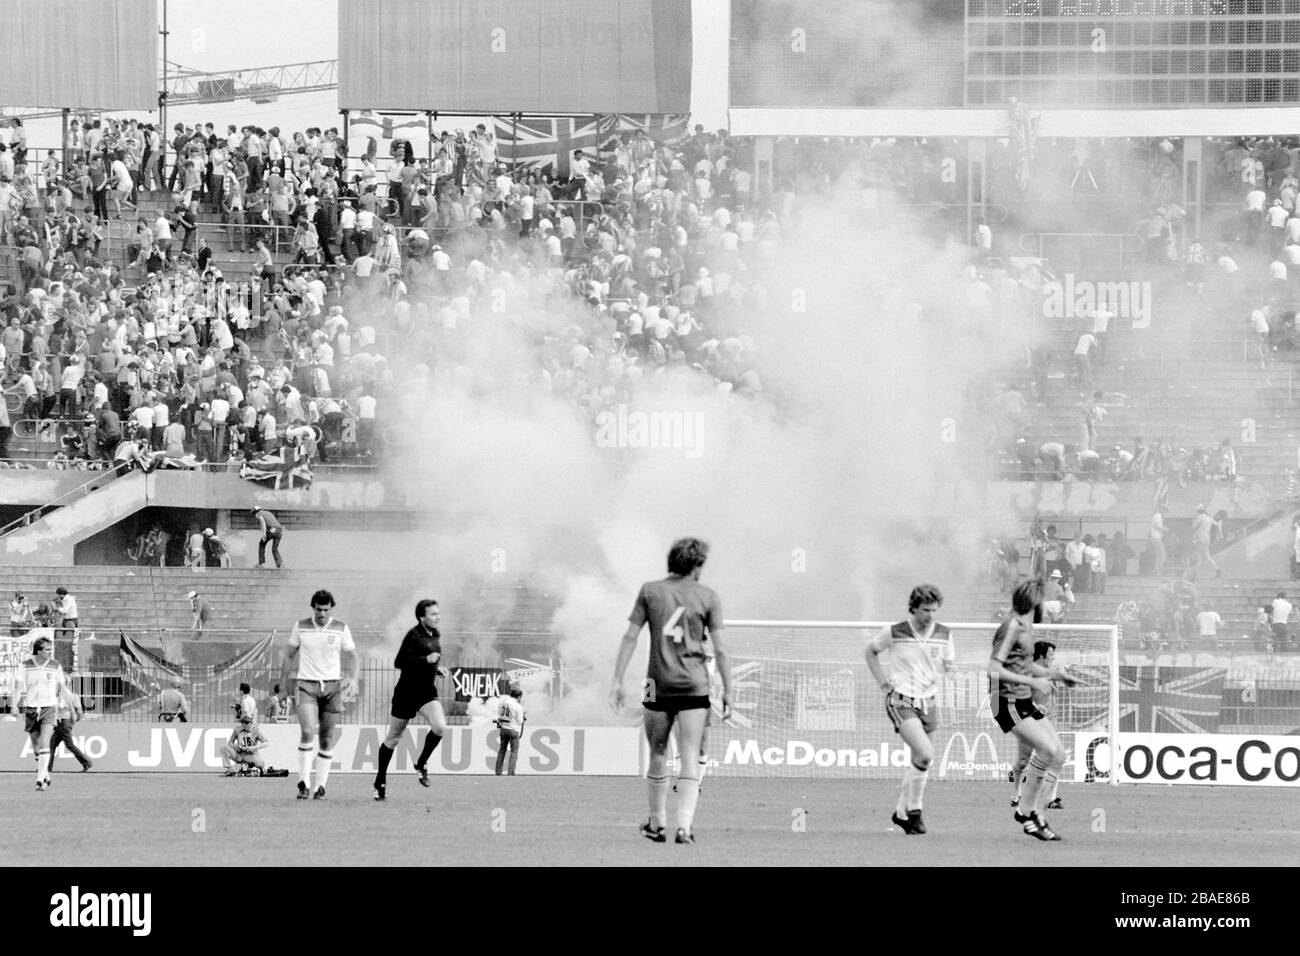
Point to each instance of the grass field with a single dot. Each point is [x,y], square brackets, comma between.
[151,819]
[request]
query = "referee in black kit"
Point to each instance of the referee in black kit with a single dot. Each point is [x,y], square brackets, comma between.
[416,693]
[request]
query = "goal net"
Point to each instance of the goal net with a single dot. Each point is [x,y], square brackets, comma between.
[805,704]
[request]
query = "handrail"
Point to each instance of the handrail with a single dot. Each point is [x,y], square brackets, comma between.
[83,490]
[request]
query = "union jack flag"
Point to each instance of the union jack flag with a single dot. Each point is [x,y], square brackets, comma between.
[549,142]
[367,124]
[1170,700]
[1159,700]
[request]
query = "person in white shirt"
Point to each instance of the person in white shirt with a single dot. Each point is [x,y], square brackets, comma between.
[1281,614]
[41,688]
[1208,622]
[322,657]
[510,718]
[1082,351]
[66,606]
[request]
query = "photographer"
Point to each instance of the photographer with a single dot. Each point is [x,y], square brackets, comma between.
[240,755]
[511,719]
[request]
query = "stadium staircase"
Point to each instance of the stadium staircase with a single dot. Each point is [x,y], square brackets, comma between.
[149,604]
[75,516]
[1236,602]
[1191,379]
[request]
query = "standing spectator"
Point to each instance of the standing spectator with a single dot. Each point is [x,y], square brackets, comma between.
[1281,615]
[983,240]
[217,555]
[1080,573]
[202,614]
[1203,527]
[272,533]
[69,386]
[1227,461]
[195,553]
[21,619]
[1254,214]
[1098,559]
[246,704]
[65,606]
[1082,352]
[1208,622]
[278,708]
[1156,544]
[173,706]
[511,719]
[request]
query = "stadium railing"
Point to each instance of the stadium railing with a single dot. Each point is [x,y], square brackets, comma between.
[100,479]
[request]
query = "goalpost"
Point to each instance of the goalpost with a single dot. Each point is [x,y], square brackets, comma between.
[805,704]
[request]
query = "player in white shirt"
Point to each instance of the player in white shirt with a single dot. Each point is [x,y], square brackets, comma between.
[318,644]
[510,718]
[41,687]
[920,649]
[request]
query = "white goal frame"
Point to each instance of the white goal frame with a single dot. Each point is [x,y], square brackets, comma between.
[1112,630]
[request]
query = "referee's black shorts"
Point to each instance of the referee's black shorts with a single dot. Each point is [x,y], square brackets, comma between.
[407,701]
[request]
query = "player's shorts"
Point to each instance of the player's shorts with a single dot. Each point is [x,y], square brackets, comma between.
[37,717]
[407,701]
[675,705]
[1011,712]
[327,695]
[900,708]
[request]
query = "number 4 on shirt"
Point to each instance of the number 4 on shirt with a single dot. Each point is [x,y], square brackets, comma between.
[675,630]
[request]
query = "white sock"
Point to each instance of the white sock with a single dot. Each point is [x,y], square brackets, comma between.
[688,796]
[305,755]
[42,765]
[658,792]
[900,808]
[917,787]
[1056,786]
[323,760]
[704,765]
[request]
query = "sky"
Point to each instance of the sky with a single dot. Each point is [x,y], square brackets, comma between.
[214,36]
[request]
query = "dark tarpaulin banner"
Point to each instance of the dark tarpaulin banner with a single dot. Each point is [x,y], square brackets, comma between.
[80,54]
[151,672]
[524,56]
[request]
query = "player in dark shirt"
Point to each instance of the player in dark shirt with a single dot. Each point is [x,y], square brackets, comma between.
[416,693]
[681,612]
[1015,680]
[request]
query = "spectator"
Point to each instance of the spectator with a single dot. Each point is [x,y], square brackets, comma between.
[202,614]
[21,619]
[1208,623]
[1203,527]
[65,607]
[195,552]
[272,533]
[217,556]
[1082,352]
[1280,617]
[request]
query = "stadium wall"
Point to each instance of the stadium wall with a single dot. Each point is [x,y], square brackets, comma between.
[195,748]
[378,491]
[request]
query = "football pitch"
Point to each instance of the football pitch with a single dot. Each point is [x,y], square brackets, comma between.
[201,820]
